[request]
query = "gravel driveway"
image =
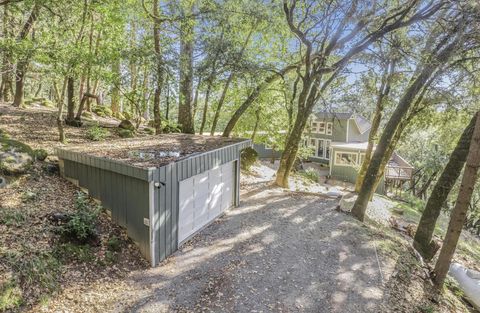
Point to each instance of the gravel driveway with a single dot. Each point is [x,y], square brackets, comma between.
[278,252]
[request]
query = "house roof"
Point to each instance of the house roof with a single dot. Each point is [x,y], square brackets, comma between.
[362,123]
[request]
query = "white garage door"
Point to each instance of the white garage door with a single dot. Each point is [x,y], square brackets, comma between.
[204,197]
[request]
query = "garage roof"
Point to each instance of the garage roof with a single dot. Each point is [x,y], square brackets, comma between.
[155,151]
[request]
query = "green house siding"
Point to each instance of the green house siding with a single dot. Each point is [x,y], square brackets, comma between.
[339,130]
[354,134]
[349,173]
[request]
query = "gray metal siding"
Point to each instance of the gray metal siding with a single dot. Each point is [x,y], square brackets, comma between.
[127,192]
[125,197]
[264,153]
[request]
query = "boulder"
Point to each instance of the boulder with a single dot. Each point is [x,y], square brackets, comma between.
[15,157]
[3,182]
[126,133]
[347,202]
[40,154]
[127,124]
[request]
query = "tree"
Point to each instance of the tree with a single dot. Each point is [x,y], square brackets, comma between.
[187,39]
[324,56]
[459,212]
[423,236]
[436,57]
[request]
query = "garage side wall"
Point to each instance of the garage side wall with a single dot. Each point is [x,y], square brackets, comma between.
[110,183]
[167,192]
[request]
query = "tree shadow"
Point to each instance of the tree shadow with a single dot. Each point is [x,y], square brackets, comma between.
[278,251]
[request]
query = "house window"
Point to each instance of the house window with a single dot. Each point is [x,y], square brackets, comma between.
[321,128]
[329,128]
[313,143]
[314,127]
[320,148]
[327,149]
[345,159]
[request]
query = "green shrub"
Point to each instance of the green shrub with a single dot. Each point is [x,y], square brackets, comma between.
[40,154]
[114,244]
[310,174]
[10,296]
[81,226]
[150,131]
[125,133]
[102,110]
[169,127]
[8,218]
[68,252]
[248,157]
[97,133]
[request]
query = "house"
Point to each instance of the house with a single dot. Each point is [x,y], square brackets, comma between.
[339,141]
[162,189]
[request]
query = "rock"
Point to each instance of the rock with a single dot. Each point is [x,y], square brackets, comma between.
[127,124]
[15,156]
[40,154]
[102,110]
[126,133]
[347,202]
[59,218]
[51,169]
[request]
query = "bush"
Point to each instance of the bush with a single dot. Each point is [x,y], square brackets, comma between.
[10,296]
[310,174]
[248,157]
[102,110]
[81,225]
[150,131]
[68,252]
[40,154]
[97,133]
[125,133]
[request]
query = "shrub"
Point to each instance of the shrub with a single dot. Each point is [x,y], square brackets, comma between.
[68,252]
[40,154]
[310,174]
[248,157]
[125,133]
[169,127]
[102,110]
[114,244]
[150,131]
[10,296]
[97,133]
[81,225]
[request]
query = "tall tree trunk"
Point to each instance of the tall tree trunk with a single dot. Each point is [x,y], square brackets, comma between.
[229,81]
[426,227]
[459,212]
[23,62]
[115,105]
[70,99]
[441,56]
[195,98]
[185,103]
[257,123]
[7,86]
[384,91]
[205,107]
[167,109]
[159,74]
[59,98]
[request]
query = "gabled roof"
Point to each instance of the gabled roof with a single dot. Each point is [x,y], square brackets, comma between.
[362,123]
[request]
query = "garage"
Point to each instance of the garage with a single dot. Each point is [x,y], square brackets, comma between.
[203,198]
[161,189]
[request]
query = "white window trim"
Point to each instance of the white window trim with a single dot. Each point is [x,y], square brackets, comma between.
[347,152]
[324,128]
[331,128]
[324,148]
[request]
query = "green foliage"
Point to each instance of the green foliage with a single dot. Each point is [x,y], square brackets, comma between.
[114,244]
[12,218]
[169,126]
[40,154]
[248,157]
[102,111]
[10,295]
[81,227]
[453,286]
[97,133]
[310,174]
[149,131]
[37,269]
[68,252]
[126,133]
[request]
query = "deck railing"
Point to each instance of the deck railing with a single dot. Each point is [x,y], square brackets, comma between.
[398,172]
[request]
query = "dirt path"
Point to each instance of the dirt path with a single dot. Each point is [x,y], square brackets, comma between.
[277,252]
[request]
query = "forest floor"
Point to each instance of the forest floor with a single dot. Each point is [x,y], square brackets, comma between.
[280,251]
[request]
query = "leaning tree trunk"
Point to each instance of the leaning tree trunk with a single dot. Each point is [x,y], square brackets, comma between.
[185,103]
[423,237]
[253,96]
[384,91]
[392,128]
[459,212]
